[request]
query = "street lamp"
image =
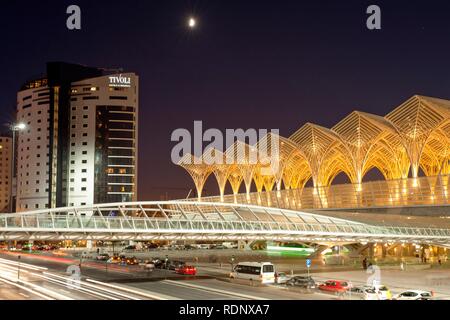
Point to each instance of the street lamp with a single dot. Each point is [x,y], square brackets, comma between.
[14,127]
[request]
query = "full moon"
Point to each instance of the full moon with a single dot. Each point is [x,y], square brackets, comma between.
[192,22]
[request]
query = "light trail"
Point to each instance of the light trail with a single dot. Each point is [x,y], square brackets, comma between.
[23,265]
[26,289]
[68,285]
[229,293]
[12,274]
[152,296]
[97,287]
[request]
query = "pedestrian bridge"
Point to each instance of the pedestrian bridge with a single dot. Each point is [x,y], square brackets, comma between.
[192,220]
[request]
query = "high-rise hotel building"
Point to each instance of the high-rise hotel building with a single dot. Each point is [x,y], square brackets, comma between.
[5,172]
[80,144]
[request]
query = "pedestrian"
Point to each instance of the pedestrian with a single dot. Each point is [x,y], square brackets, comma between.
[364,263]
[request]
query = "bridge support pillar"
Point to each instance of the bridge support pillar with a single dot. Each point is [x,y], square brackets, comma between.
[356,249]
[89,244]
[244,245]
[319,251]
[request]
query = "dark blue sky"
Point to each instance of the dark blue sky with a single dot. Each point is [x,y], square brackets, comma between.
[249,64]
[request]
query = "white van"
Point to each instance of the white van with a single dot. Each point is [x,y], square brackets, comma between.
[263,272]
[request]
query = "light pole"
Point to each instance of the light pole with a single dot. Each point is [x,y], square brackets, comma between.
[18,267]
[14,127]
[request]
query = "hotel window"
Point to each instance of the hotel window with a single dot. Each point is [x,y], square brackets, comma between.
[83,189]
[83,170]
[110,170]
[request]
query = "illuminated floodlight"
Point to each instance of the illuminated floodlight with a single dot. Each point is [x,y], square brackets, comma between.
[19,126]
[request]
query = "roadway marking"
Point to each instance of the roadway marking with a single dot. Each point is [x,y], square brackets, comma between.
[24,295]
[26,289]
[148,294]
[225,292]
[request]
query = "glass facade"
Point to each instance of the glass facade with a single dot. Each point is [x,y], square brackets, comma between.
[115,145]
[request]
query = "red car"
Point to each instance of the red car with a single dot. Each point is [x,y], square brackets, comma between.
[334,286]
[187,270]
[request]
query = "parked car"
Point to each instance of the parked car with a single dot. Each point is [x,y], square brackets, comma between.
[149,266]
[174,264]
[131,261]
[304,282]
[383,292]
[86,255]
[159,263]
[102,257]
[414,295]
[364,293]
[115,259]
[186,270]
[281,278]
[334,286]
[132,247]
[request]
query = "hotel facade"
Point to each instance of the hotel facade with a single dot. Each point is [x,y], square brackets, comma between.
[5,171]
[80,143]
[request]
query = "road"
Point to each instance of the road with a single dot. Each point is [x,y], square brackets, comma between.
[46,277]
[129,282]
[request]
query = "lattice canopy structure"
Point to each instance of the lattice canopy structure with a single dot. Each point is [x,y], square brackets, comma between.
[414,137]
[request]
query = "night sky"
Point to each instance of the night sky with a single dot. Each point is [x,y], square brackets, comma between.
[249,64]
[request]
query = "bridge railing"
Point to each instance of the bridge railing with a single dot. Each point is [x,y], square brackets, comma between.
[146,225]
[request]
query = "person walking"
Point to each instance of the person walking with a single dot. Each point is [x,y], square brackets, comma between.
[364,263]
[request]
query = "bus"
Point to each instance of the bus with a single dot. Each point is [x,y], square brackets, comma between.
[263,272]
